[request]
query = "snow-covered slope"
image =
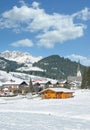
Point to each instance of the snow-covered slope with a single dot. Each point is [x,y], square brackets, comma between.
[20,77]
[53,114]
[29,67]
[19,57]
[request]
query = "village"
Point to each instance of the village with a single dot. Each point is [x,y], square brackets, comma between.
[44,65]
[12,89]
[46,89]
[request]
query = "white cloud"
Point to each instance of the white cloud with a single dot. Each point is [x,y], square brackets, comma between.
[51,28]
[22,2]
[83,60]
[35,4]
[83,14]
[60,34]
[22,43]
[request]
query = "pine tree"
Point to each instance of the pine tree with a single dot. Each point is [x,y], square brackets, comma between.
[31,89]
[86,79]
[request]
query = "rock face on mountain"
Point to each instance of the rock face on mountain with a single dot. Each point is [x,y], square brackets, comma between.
[8,65]
[19,57]
[18,61]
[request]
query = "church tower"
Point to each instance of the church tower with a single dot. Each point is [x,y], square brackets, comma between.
[78,70]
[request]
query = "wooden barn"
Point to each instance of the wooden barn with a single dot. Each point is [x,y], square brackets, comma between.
[56,93]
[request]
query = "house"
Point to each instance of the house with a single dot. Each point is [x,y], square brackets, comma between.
[1,93]
[56,93]
[24,87]
[8,84]
[16,86]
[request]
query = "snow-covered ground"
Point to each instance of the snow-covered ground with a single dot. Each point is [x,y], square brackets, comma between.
[6,78]
[52,114]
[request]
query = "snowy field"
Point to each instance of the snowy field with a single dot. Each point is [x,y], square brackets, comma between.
[52,114]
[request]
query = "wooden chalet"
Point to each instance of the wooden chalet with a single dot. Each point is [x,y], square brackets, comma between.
[56,93]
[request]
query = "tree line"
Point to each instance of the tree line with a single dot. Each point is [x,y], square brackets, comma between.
[86,79]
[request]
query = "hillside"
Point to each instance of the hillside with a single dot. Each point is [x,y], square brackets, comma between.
[54,66]
[58,67]
[18,61]
[8,65]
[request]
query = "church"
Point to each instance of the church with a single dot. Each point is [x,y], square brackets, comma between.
[75,81]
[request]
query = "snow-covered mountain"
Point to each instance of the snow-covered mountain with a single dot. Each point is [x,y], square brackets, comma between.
[52,66]
[20,57]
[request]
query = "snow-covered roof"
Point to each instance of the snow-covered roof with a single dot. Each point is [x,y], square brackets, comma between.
[5,89]
[58,90]
[0,83]
[15,82]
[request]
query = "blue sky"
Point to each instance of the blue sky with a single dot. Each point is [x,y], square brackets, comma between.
[46,27]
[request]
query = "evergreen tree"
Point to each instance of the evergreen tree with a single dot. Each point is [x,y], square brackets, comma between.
[67,85]
[86,79]
[31,89]
[57,67]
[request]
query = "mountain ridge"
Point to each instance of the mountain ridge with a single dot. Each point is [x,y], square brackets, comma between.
[53,66]
[59,67]
[20,57]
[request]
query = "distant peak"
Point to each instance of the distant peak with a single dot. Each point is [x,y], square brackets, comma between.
[20,57]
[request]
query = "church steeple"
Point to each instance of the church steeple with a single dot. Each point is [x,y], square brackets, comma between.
[78,70]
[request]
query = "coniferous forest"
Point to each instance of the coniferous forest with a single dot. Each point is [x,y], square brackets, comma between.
[86,79]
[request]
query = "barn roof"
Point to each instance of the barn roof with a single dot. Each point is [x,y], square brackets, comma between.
[58,90]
